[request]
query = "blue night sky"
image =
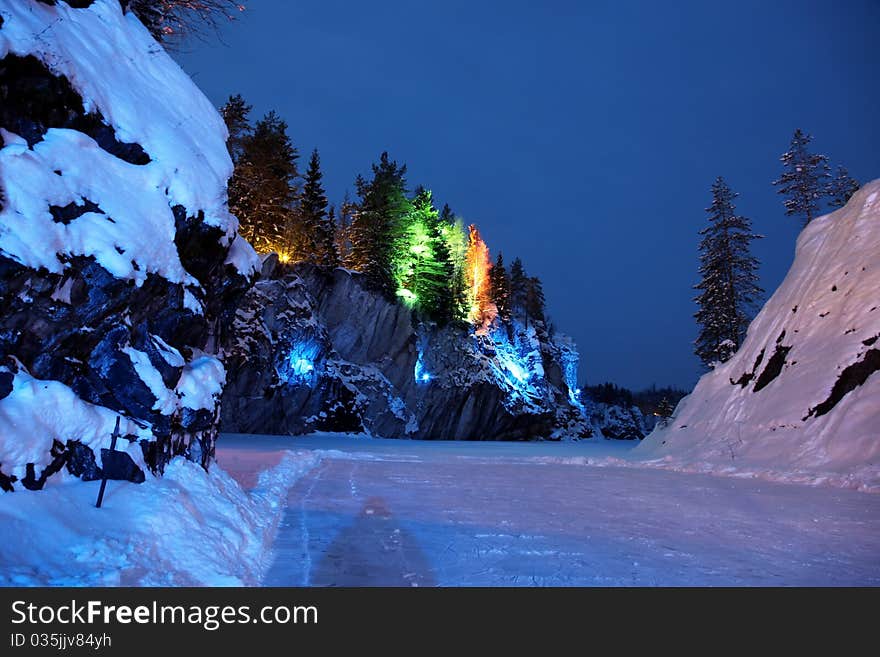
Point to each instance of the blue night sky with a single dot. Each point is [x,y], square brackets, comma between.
[581,136]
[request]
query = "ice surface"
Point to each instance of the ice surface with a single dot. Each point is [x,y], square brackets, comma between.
[416,513]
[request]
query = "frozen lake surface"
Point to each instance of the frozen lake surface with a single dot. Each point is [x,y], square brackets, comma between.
[412,513]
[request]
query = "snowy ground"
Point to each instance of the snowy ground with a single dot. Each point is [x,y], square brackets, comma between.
[377,512]
[339,510]
[190,528]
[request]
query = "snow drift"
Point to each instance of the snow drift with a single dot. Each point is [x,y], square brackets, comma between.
[119,261]
[802,394]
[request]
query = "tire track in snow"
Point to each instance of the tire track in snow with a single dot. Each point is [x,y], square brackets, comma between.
[304,529]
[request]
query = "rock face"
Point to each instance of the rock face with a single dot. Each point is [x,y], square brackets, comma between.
[119,262]
[802,392]
[316,350]
[617,422]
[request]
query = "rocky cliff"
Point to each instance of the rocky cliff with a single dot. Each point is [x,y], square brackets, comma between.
[801,393]
[119,261]
[317,350]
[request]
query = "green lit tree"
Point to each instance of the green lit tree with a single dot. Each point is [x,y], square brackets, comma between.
[422,267]
[455,239]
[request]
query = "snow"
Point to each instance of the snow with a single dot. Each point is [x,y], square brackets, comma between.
[124,74]
[38,412]
[189,528]
[430,513]
[349,510]
[201,382]
[166,400]
[199,387]
[827,308]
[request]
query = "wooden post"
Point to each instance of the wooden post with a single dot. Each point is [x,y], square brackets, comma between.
[113,438]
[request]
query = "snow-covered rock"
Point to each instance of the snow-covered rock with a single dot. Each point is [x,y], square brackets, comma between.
[617,422]
[120,264]
[803,392]
[316,350]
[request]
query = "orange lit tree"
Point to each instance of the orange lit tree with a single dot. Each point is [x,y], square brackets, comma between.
[478,266]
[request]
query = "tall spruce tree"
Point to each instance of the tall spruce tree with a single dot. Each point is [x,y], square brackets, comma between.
[265,188]
[729,290]
[421,262]
[377,224]
[236,114]
[804,178]
[534,301]
[318,228]
[519,285]
[456,240]
[501,288]
[841,188]
[347,211]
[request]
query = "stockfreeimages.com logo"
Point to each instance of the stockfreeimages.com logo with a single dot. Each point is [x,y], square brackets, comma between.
[209,617]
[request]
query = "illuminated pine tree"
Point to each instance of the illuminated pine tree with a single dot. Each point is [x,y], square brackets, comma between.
[347,211]
[803,181]
[501,288]
[420,257]
[377,223]
[456,241]
[841,188]
[729,290]
[482,310]
[318,228]
[265,188]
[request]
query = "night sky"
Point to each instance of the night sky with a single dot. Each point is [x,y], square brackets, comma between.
[581,136]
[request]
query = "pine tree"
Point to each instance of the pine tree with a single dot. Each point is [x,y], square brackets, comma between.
[377,224]
[501,288]
[265,189]
[347,211]
[664,411]
[729,289]
[477,268]
[841,188]
[803,181]
[519,283]
[534,301]
[421,263]
[456,240]
[236,114]
[318,228]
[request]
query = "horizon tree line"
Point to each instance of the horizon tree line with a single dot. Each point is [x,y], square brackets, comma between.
[405,247]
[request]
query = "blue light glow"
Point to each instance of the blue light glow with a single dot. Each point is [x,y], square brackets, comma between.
[421,374]
[299,366]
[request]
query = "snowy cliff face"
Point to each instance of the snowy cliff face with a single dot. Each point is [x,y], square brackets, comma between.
[119,261]
[316,350]
[803,392]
